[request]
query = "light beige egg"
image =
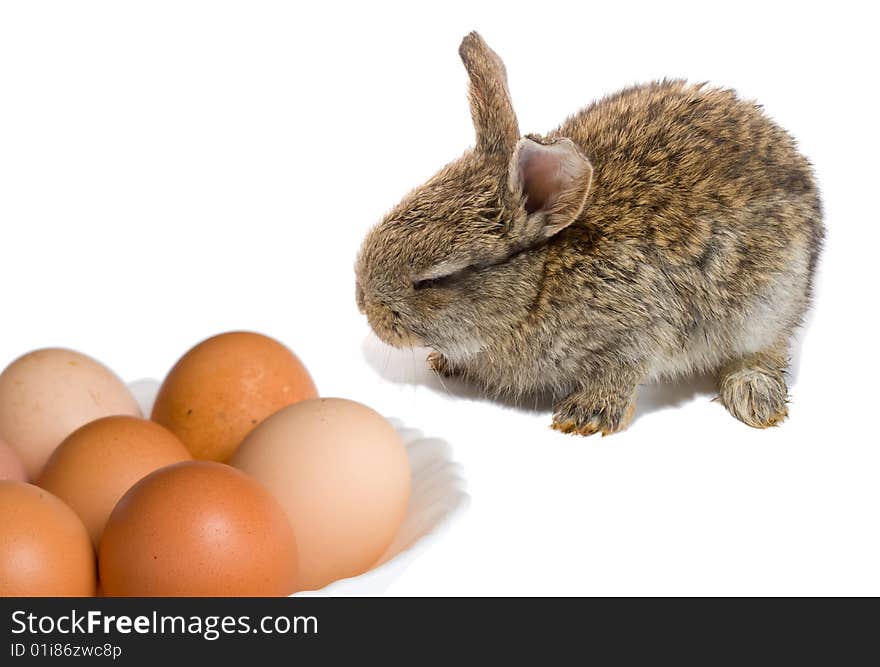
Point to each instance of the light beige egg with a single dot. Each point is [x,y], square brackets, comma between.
[10,465]
[47,394]
[341,473]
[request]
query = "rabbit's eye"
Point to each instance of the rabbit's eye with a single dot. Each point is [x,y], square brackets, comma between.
[441,274]
[438,281]
[426,283]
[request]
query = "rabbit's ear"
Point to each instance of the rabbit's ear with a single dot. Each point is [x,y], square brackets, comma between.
[491,108]
[554,181]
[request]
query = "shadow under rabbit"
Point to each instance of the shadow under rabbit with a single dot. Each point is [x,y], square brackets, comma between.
[409,367]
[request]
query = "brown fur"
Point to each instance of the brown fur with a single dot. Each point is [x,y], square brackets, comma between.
[666,229]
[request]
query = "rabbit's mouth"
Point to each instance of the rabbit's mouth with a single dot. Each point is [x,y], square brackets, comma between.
[388,326]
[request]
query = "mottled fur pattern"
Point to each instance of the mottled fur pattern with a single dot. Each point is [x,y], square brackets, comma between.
[666,229]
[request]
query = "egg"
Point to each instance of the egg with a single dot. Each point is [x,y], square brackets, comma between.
[10,465]
[99,462]
[44,548]
[198,528]
[48,394]
[226,385]
[341,473]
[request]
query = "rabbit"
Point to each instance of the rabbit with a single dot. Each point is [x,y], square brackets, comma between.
[665,230]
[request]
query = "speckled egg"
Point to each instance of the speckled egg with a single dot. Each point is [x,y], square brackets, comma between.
[223,387]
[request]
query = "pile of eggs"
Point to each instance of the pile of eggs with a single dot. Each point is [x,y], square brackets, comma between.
[242,482]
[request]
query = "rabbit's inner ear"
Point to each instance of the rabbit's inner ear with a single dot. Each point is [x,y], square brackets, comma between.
[542,180]
[554,179]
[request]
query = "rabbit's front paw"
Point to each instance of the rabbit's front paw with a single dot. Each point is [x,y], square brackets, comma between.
[583,413]
[440,365]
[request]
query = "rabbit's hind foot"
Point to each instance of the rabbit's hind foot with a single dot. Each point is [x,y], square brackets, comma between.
[753,388]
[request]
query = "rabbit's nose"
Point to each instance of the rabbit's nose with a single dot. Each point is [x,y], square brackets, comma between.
[359,297]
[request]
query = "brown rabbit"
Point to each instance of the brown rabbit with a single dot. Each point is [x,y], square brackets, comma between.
[666,229]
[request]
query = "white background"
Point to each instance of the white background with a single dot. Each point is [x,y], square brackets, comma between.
[172,170]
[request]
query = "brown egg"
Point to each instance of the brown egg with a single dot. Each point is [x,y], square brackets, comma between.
[341,473]
[48,394]
[10,465]
[198,528]
[44,548]
[99,462]
[225,386]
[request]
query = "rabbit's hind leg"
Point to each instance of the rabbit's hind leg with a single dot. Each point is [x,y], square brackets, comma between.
[753,387]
